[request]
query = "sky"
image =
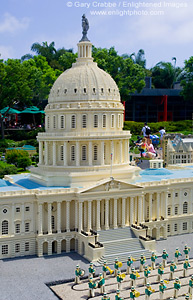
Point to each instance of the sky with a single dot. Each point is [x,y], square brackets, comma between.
[162,28]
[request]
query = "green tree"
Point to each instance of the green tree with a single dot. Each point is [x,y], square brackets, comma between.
[15,87]
[24,162]
[66,60]
[60,59]
[42,77]
[6,169]
[128,75]
[139,58]
[45,50]
[13,156]
[164,75]
[187,80]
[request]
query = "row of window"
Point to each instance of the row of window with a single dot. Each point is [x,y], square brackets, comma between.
[184,227]
[17,209]
[84,91]
[5,248]
[5,227]
[84,122]
[185,209]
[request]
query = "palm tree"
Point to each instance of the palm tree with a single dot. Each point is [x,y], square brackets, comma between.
[45,50]
[139,58]
[164,74]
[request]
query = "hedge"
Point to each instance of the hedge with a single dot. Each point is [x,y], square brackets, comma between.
[170,126]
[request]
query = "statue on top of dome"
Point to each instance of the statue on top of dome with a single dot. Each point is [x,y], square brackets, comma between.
[85,28]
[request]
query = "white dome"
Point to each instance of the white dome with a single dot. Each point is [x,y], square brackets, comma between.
[84,81]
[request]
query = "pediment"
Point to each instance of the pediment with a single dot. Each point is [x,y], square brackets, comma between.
[110,185]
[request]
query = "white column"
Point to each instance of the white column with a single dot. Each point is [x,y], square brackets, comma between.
[135,205]
[76,215]
[49,218]
[54,153]
[120,151]
[80,217]
[67,216]
[143,209]
[106,214]
[40,152]
[115,214]
[150,207]
[113,151]
[89,215]
[77,154]
[98,225]
[158,206]
[13,219]
[85,215]
[123,212]
[90,153]
[65,154]
[93,214]
[140,209]
[58,217]
[165,204]
[173,202]
[126,151]
[190,202]
[102,153]
[46,153]
[131,210]
[40,215]
[180,202]
[22,218]
[111,212]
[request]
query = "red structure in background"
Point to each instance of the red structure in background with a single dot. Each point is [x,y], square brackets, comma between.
[165,102]
[165,115]
[124,110]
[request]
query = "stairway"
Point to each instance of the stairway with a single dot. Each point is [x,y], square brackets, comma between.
[119,243]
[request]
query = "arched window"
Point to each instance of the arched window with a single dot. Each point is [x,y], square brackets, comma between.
[53,223]
[169,210]
[84,152]
[185,207]
[4,227]
[62,122]
[84,121]
[104,121]
[95,152]
[48,122]
[17,228]
[112,121]
[72,153]
[73,122]
[54,122]
[119,120]
[95,121]
[176,210]
[61,152]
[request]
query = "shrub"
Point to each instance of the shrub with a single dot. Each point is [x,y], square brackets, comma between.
[12,156]
[24,162]
[170,126]
[6,169]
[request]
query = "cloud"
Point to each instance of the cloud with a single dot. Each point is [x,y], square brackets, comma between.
[6,52]
[11,24]
[171,28]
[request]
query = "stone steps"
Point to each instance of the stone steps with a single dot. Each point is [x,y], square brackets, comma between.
[120,243]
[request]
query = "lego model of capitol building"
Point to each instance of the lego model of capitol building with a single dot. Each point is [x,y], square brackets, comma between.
[84,140]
